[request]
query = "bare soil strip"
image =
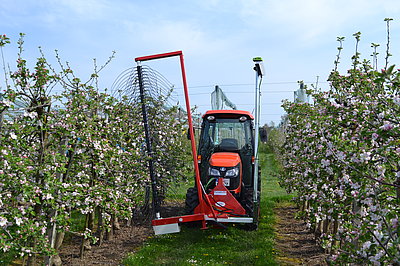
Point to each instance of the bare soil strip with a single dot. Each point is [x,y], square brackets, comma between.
[295,244]
[111,252]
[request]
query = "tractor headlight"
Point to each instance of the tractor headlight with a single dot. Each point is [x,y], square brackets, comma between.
[232,172]
[213,172]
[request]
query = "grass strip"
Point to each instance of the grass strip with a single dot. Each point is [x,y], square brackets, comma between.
[232,246]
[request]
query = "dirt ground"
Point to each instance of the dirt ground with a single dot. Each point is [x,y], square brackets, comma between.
[295,245]
[125,240]
[111,252]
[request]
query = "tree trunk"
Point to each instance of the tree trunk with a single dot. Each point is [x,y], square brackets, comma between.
[356,209]
[110,232]
[100,225]
[335,242]
[84,242]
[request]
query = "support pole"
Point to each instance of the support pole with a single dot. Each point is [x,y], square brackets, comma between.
[259,74]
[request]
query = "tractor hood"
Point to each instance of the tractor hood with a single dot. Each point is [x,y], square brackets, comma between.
[225,159]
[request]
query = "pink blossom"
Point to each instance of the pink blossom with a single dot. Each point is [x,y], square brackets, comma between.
[396,100]
[325,163]
[387,126]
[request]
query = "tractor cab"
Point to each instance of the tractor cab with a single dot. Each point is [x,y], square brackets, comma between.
[226,150]
[226,160]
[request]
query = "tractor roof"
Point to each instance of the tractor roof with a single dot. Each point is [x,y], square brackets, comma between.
[228,113]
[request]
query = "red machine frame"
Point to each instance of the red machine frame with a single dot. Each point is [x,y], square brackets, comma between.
[205,210]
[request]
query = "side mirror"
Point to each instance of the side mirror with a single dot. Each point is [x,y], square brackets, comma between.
[263,134]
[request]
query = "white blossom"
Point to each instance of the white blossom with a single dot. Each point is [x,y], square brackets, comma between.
[365,156]
[13,136]
[48,196]
[18,221]
[31,115]
[3,221]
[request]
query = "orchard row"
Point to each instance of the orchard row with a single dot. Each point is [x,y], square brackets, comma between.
[342,157]
[77,153]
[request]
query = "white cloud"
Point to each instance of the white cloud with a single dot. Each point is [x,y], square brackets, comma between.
[60,12]
[308,19]
[177,35]
[390,6]
[174,34]
[87,8]
[305,20]
[52,13]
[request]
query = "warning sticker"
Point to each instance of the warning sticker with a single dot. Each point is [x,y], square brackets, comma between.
[220,193]
[220,204]
[227,182]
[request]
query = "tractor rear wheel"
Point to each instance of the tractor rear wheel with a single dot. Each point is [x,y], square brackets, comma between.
[246,200]
[256,216]
[252,210]
[192,200]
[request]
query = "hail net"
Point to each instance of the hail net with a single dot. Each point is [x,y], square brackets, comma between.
[156,89]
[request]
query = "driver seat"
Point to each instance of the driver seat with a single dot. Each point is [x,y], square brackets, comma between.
[229,144]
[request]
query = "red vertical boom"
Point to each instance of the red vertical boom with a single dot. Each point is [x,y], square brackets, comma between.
[205,205]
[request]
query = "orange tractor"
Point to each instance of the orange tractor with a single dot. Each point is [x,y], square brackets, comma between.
[227,174]
[226,159]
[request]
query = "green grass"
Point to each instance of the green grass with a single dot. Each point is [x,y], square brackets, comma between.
[7,258]
[212,246]
[234,246]
[178,191]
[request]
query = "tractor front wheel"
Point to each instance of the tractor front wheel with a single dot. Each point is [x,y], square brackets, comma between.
[192,200]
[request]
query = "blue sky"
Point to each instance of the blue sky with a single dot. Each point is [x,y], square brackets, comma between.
[219,38]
